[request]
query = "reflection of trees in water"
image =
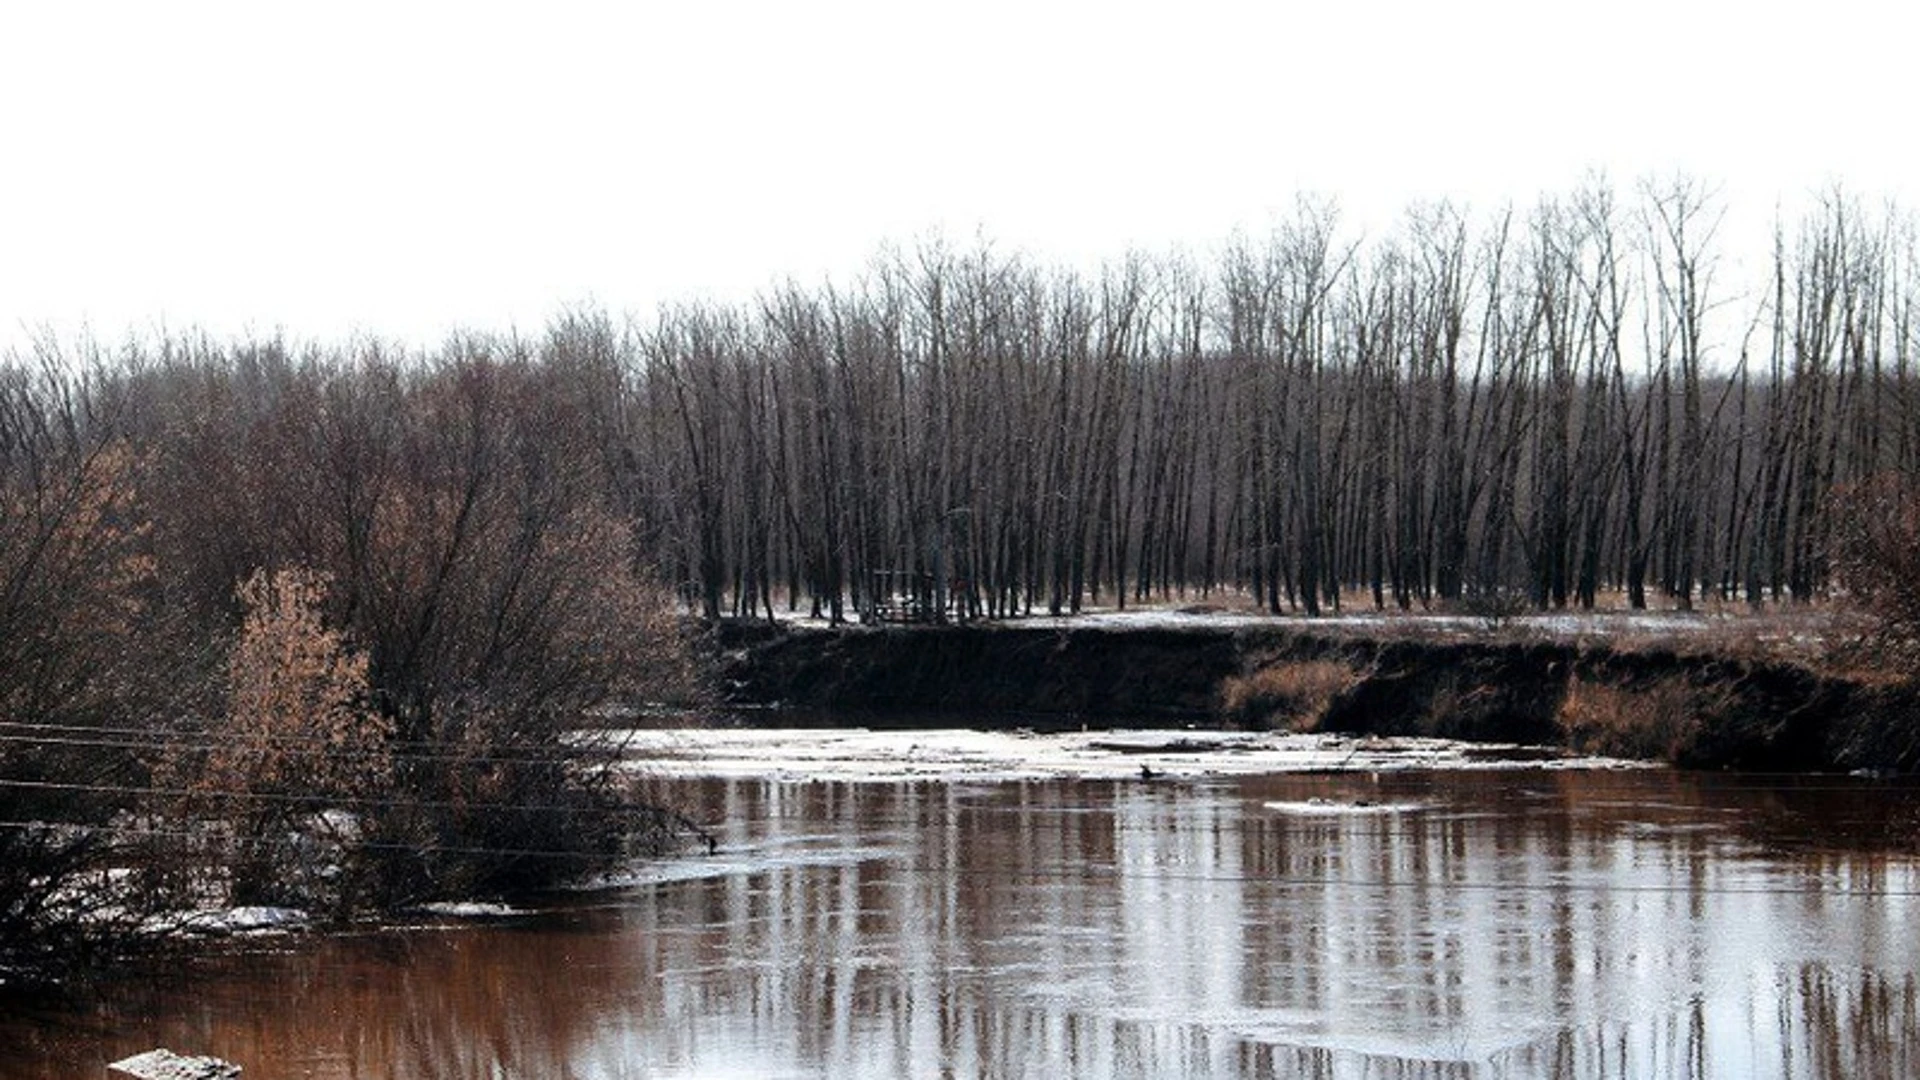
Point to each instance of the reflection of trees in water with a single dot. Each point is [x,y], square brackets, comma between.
[1094,929]
[1802,813]
[406,1005]
[1807,1021]
[1849,1023]
[1531,925]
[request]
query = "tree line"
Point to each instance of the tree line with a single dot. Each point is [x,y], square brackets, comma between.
[1550,406]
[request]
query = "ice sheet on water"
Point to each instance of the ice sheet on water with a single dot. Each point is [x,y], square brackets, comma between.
[741,862]
[232,920]
[470,909]
[1602,623]
[861,755]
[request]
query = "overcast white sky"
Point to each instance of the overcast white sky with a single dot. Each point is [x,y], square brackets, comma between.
[403,168]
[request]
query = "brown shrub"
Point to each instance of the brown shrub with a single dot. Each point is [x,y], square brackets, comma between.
[495,603]
[1662,719]
[298,739]
[1293,694]
[1875,556]
[298,714]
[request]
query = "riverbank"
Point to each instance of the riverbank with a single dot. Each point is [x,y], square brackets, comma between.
[1693,695]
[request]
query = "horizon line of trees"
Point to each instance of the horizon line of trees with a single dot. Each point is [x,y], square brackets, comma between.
[1544,407]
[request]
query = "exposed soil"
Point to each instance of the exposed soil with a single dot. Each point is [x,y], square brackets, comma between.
[1696,710]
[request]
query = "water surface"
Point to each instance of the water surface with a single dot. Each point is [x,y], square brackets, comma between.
[1513,923]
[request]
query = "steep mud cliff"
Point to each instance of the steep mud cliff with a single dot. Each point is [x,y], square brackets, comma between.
[1698,710]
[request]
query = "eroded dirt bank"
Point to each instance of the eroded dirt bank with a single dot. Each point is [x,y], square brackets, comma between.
[1701,710]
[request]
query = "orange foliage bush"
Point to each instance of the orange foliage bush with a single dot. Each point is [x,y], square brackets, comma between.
[1294,694]
[1662,720]
[299,718]
[1876,562]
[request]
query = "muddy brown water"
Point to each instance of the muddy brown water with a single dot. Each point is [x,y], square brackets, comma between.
[1460,924]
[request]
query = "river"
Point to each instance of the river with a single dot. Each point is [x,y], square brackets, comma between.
[1410,922]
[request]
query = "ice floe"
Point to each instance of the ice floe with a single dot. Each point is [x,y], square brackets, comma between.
[861,754]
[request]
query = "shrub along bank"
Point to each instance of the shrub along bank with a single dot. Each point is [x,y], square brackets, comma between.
[315,631]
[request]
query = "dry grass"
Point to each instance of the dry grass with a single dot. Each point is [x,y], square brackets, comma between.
[1663,719]
[1292,694]
[1804,635]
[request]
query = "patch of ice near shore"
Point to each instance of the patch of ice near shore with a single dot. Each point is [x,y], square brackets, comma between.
[859,754]
[763,856]
[469,909]
[234,920]
[1556,624]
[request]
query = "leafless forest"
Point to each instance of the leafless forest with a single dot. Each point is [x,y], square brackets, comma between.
[1556,404]
[1553,406]
[225,565]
